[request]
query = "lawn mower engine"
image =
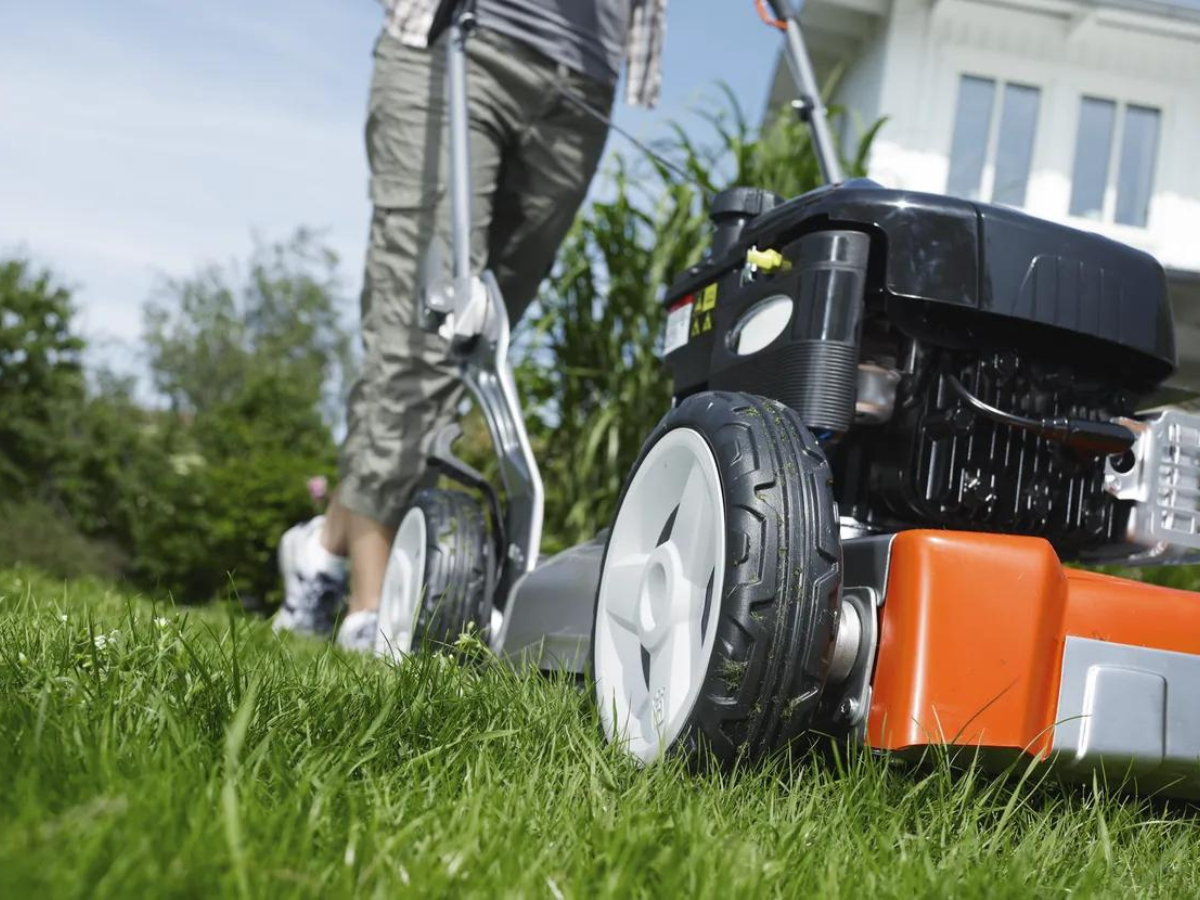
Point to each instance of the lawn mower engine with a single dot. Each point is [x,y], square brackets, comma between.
[895,415]
[963,366]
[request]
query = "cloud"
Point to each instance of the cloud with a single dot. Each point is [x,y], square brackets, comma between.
[131,149]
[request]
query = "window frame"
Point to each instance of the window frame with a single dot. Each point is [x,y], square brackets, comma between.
[1108,209]
[994,150]
[996,88]
[987,176]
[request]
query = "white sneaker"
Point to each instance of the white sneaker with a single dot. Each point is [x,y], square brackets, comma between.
[314,581]
[358,631]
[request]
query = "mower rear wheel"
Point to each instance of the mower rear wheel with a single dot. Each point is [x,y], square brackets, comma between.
[718,600]
[436,580]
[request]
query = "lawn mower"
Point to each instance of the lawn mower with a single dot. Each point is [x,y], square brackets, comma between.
[895,416]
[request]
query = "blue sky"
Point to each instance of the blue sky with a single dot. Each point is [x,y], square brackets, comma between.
[141,138]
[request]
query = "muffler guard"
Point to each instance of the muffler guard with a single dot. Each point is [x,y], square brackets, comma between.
[988,642]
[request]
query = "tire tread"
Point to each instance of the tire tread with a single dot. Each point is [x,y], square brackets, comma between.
[456,566]
[778,606]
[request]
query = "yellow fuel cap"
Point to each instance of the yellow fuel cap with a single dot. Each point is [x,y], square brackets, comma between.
[765,260]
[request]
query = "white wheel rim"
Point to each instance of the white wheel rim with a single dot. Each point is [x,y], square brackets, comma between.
[403,588]
[660,595]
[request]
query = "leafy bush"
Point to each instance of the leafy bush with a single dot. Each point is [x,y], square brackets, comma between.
[112,451]
[35,534]
[190,499]
[249,357]
[233,484]
[40,377]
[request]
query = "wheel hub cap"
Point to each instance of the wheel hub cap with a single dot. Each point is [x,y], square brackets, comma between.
[664,595]
[403,588]
[660,595]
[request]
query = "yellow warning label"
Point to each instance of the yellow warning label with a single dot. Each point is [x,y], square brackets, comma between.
[702,313]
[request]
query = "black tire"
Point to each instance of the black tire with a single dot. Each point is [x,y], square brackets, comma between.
[779,602]
[457,555]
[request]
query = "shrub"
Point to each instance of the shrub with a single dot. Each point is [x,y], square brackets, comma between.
[194,496]
[247,356]
[235,481]
[35,534]
[40,376]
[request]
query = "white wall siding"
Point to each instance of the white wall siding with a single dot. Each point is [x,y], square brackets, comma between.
[923,50]
[860,89]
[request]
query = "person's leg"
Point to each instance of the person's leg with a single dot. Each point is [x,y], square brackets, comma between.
[407,388]
[335,530]
[520,132]
[544,182]
[363,541]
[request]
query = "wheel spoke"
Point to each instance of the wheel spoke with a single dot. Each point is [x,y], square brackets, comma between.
[671,674]
[629,707]
[692,532]
[640,725]
[622,582]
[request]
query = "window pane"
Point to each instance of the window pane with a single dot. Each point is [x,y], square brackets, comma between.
[968,150]
[1014,148]
[1093,147]
[1135,174]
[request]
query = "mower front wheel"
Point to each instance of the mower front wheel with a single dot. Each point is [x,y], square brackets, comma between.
[718,599]
[436,580]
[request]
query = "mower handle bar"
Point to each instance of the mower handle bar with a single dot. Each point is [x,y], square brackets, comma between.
[810,105]
[483,347]
[461,25]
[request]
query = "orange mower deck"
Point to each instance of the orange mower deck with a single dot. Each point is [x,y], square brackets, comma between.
[988,641]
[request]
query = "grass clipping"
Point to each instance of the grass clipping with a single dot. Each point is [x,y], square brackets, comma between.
[145,751]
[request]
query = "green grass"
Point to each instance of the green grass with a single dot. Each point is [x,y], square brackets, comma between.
[149,751]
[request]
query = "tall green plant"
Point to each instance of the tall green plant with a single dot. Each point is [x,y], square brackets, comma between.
[592,375]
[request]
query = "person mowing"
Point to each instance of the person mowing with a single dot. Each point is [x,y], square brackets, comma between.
[534,152]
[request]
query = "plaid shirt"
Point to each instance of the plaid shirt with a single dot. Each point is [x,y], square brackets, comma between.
[410,21]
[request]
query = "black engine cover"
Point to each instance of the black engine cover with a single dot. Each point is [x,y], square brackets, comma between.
[963,274]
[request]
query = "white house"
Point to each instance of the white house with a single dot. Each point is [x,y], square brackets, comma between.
[1082,111]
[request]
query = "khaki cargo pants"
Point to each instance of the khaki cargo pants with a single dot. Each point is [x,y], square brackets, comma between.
[533,154]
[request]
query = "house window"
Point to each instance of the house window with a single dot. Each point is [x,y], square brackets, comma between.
[972,125]
[992,149]
[1093,147]
[1014,144]
[1135,176]
[1099,190]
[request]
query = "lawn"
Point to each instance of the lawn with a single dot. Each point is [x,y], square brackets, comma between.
[148,750]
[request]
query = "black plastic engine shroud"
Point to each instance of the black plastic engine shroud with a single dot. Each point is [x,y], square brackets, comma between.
[959,272]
